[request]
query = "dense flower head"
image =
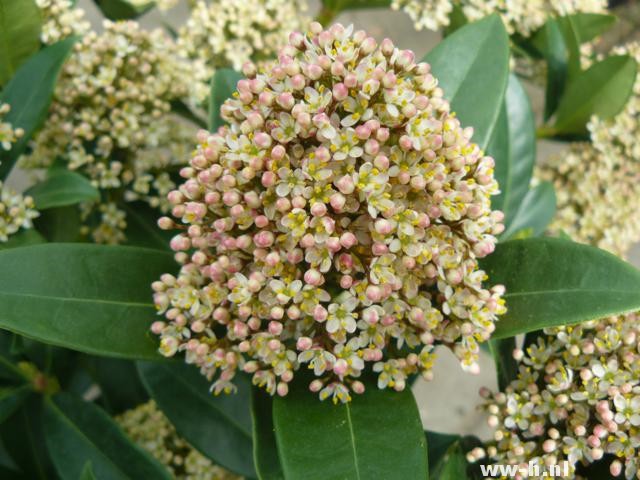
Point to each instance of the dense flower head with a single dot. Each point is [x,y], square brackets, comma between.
[110,120]
[60,19]
[589,209]
[148,427]
[576,398]
[336,223]
[16,212]
[231,32]
[521,16]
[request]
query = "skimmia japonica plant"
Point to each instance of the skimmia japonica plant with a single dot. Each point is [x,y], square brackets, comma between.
[246,235]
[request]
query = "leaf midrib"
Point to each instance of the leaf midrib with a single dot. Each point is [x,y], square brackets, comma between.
[78,300]
[569,290]
[353,441]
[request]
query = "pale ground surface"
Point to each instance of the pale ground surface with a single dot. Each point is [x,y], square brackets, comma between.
[448,403]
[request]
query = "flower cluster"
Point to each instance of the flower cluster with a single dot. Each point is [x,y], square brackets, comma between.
[147,426]
[337,222]
[61,20]
[8,134]
[522,16]
[110,119]
[576,398]
[588,209]
[16,212]
[231,32]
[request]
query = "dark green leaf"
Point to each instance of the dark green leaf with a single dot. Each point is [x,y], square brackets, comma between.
[513,147]
[472,67]
[60,224]
[223,84]
[23,437]
[437,446]
[62,188]
[123,9]
[377,435]
[87,472]
[142,227]
[79,431]
[453,466]
[119,383]
[602,90]
[92,298]
[20,23]
[218,426]
[29,94]
[536,211]
[506,365]
[553,282]
[11,398]
[265,449]
[22,239]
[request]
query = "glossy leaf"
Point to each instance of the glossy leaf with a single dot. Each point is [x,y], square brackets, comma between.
[142,227]
[592,25]
[602,90]
[265,448]
[11,398]
[472,67]
[29,94]
[20,24]
[437,446]
[513,147]
[119,383]
[536,211]
[223,84]
[62,188]
[24,439]
[60,224]
[218,426]
[92,298]
[124,9]
[453,465]
[87,472]
[377,435]
[79,431]
[506,366]
[551,282]
[23,239]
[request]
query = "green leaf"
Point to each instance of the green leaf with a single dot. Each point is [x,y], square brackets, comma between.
[24,439]
[536,211]
[119,383]
[61,224]
[79,431]
[123,9]
[218,426]
[62,188]
[437,446]
[592,25]
[20,24]
[265,449]
[513,147]
[11,398]
[377,435]
[551,282]
[472,67]
[453,465]
[87,472]
[506,366]
[29,94]
[602,90]
[22,239]
[142,227]
[223,84]
[92,298]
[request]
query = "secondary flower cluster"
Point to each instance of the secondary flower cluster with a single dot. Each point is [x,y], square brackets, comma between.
[335,223]
[16,212]
[60,19]
[147,426]
[8,134]
[110,119]
[521,16]
[589,210]
[576,398]
[231,32]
